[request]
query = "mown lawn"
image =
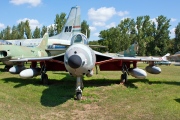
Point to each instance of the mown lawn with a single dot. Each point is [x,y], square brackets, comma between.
[154,98]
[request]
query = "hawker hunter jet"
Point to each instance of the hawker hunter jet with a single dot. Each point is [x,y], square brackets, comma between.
[79,60]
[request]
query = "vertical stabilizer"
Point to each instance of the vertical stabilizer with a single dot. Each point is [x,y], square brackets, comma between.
[44,42]
[72,25]
[131,51]
[164,57]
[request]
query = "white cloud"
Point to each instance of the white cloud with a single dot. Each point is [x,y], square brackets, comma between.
[172,32]
[96,23]
[102,14]
[92,28]
[154,20]
[2,26]
[122,13]
[173,19]
[113,24]
[32,22]
[33,3]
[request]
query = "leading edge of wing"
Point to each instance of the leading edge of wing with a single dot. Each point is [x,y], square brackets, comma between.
[49,58]
[136,59]
[103,57]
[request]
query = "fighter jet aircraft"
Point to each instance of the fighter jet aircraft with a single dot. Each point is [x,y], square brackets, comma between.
[71,27]
[12,52]
[79,60]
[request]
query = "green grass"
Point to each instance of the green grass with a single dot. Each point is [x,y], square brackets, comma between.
[157,97]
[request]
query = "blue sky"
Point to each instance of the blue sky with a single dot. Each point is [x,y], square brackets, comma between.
[99,14]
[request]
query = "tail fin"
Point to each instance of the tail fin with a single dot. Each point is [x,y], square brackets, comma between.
[164,57]
[72,25]
[130,52]
[44,42]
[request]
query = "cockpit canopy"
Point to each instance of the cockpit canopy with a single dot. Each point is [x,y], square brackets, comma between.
[79,38]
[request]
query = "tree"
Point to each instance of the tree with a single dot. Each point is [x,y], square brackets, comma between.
[127,34]
[36,33]
[110,39]
[14,33]
[161,36]
[7,33]
[84,28]
[119,38]
[43,31]
[177,38]
[20,29]
[170,47]
[59,22]
[1,35]
[27,30]
[51,31]
[144,33]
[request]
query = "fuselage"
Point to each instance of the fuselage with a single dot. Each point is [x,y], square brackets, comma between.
[79,60]
[36,42]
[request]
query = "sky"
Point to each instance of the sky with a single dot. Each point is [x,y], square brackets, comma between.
[99,14]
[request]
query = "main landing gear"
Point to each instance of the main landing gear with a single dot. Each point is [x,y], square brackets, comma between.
[7,67]
[79,88]
[124,75]
[44,76]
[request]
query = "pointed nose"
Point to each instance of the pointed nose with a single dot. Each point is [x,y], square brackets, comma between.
[75,61]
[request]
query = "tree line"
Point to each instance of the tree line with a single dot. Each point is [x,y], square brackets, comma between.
[23,30]
[153,37]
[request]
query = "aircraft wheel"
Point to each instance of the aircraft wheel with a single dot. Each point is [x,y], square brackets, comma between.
[6,68]
[44,79]
[124,78]
[79,95]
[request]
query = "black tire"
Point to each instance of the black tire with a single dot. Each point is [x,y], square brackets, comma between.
[78,95]
[6,68]
[44,79]
[124,77]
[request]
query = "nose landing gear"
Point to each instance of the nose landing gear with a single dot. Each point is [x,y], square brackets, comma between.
[79,88]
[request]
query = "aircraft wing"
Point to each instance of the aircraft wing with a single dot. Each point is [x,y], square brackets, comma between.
[102,58]
[59,58]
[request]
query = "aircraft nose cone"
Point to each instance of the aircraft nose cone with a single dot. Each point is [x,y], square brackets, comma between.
[74,61]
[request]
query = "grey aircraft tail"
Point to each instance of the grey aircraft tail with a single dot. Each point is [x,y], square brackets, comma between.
[72,25]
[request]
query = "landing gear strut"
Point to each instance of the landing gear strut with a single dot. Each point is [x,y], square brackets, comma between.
[79,88]
[124,75]
[6,68]
[44,76]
